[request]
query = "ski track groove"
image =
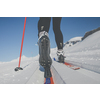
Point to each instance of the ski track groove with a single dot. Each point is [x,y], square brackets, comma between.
[31,76]
[58,75]
[27,65]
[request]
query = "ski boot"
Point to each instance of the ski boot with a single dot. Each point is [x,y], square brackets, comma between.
[60,55]
[44,52]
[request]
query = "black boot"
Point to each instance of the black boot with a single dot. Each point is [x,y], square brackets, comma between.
[44,51]
[47,73]
[60,55]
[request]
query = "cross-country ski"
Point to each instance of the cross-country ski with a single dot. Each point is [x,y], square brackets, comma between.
[69,65]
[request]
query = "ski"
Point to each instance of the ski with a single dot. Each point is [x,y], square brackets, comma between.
[69,65]
[48,80]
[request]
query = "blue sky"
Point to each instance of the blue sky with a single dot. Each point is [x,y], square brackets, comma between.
[11,30]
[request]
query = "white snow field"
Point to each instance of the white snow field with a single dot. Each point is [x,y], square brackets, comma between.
[84,54]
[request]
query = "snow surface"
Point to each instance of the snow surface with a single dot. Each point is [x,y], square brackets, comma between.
[76,39]
[85,54]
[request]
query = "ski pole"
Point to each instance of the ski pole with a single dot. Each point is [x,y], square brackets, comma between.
[18,68]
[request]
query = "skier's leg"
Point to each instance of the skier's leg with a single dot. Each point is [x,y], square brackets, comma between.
[57,31]
[44,45]
[44,24]
[58,37]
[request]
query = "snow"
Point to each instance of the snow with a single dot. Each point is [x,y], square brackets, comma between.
[69,76]
[84,54]
[73,41]
[76,39]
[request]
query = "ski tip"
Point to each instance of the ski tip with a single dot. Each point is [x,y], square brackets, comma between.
[71,66]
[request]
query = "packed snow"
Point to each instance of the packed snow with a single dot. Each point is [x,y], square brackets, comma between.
[84,54]
[76,39]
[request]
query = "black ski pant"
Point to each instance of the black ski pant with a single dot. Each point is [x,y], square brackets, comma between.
[44,25]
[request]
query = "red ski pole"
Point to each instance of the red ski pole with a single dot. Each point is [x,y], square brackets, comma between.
[19,68]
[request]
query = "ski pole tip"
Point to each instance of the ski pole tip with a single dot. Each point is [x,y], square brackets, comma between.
[18,68]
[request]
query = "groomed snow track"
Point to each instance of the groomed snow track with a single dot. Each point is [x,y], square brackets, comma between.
[65,75]
[32,73]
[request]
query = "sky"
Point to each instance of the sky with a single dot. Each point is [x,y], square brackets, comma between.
[11,30]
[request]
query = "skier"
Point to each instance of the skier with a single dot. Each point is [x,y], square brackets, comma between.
[44,42]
